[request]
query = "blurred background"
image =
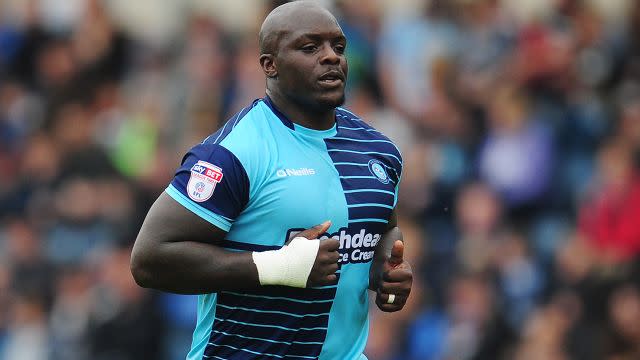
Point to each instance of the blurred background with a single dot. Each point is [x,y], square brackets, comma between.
[519,124]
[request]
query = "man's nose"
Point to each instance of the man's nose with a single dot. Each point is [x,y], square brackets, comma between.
[329,55]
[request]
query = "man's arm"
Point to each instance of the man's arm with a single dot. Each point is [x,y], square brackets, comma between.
[175,251]
[383,250]
[389,273]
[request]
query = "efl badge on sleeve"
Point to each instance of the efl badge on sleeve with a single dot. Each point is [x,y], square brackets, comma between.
[203,180]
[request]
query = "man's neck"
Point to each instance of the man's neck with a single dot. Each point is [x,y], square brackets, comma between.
[307,117]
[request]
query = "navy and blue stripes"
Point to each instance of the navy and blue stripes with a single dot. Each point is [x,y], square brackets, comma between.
[369,200]
[278,322]
[274,322]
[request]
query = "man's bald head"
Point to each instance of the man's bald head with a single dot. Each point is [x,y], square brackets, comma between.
[302,55]
[285,19]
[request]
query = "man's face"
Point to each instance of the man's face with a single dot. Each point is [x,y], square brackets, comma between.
[311,65]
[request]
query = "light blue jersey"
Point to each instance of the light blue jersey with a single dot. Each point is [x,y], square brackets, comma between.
[262,178]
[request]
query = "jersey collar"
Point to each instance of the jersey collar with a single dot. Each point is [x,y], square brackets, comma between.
[285,120]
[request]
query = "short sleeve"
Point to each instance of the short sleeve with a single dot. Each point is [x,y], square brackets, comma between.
[212,183]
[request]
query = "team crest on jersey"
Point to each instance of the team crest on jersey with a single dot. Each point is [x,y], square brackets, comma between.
[203,180]
[378,170]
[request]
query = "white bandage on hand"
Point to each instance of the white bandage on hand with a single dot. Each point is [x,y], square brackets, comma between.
[289,265]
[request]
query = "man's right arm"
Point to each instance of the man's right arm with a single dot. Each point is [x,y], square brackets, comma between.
[175,251]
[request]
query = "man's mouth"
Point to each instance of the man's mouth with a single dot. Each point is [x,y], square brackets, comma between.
[331,78]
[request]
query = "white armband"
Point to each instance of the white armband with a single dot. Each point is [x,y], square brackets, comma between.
[289,265]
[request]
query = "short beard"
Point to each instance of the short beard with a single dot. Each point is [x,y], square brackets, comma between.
[332,104]
[318,105]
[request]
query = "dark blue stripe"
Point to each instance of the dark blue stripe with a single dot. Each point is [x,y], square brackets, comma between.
[225,352]
[372,228]
[235,351]
[249,348]
[270,332]
[293,346]
[359,170]
[384,157]
[347,119]
[383,147]
[368,183]
[351,170]
[359,132]
[235,245]
[217,353]
[295,293]
[279,304]
[369,212]
[288,343]
[366,197]
[288,321]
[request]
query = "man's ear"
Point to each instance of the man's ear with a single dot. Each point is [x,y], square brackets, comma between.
[268,64]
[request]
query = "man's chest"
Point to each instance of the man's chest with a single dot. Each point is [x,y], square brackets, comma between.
[305,186]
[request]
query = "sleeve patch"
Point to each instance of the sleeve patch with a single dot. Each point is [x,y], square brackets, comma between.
[203,180]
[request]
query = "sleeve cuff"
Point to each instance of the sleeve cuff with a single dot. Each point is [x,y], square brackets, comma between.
[208,215]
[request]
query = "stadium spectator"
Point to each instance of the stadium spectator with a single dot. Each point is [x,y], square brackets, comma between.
[610,219]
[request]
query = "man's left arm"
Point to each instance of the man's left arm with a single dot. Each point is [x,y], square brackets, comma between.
[390,274]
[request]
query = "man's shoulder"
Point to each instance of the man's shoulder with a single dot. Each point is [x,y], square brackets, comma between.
[244,135]
[348,120]
[354,127]
[239,127]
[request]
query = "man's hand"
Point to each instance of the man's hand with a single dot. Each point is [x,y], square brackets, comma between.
[396,279]
[324,268]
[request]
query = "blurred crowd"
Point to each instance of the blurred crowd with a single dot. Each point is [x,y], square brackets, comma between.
[519,124]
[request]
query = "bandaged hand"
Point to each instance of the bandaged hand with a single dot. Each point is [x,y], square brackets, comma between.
[303,262]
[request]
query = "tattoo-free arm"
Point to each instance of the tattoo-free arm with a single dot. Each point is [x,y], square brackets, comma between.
[390,274]
[175,251]
[383,250]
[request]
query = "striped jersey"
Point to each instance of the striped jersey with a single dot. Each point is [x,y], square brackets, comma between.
[262,178]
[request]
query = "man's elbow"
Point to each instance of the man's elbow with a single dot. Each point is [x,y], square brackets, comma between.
[141,271]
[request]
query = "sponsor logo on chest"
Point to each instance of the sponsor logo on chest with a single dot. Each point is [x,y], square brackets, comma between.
[295,172]
[355,247]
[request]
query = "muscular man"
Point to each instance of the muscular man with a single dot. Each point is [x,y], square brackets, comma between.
[231,225]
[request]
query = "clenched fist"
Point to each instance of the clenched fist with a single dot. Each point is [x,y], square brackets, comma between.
[324,268]
[394,285]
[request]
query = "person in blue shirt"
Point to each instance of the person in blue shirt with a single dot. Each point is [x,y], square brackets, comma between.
[285,217]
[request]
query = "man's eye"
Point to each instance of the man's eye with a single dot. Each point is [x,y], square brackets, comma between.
[309,48]
[339,49]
